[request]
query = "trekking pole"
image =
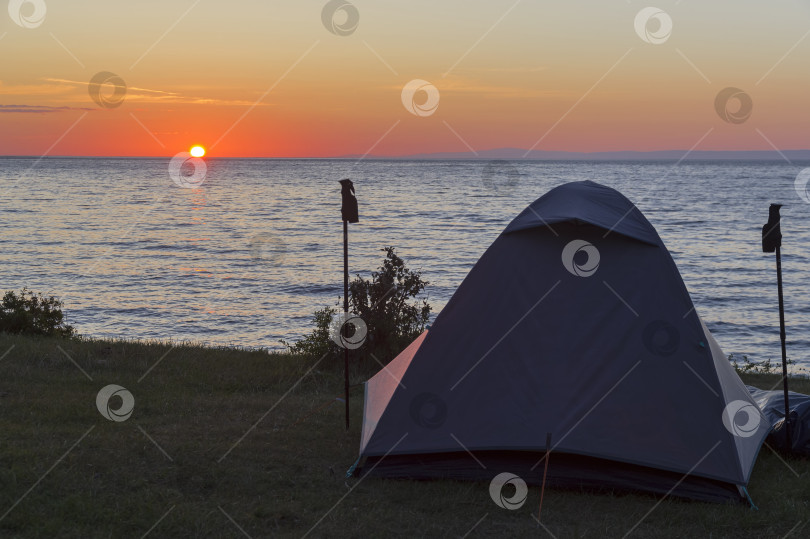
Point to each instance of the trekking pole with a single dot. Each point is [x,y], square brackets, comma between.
[349,214]
[772,242]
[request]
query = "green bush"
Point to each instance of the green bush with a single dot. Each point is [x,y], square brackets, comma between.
[316,344]
[757,367]
[33,314]
[385,304]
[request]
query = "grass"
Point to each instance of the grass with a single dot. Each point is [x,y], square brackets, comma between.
[162,471]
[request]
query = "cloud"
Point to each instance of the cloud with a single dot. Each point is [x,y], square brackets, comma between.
[129,88]
[57,92]
[36,109]
[30,90]
[146,95]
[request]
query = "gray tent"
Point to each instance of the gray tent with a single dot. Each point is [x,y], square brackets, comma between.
[574,322]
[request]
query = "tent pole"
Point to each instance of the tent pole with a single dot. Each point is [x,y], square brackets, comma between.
[784,350]
[345,312]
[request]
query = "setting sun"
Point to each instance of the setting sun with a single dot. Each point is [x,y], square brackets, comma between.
[197,151]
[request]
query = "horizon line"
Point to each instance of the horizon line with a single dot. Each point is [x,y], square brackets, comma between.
[484,155]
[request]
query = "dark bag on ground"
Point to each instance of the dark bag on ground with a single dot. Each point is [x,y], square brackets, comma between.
[772,405]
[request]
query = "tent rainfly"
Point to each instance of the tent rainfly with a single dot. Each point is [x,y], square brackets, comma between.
[574,322]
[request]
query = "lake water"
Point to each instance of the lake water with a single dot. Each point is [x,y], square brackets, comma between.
[247,257]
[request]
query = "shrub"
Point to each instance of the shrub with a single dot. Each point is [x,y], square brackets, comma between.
[384,303]
[760,367]
[316,344]
[33,314]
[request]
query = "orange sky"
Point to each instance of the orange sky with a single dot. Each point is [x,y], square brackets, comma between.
[269,79]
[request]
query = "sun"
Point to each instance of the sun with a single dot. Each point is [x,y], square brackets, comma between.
[197,151]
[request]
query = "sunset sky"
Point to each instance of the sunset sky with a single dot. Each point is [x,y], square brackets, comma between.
[557,75]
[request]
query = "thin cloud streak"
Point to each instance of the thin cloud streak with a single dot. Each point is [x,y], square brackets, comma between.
[67,87]
[37,109]
[85,83]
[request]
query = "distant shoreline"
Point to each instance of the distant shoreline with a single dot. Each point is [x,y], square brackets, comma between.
[515,154]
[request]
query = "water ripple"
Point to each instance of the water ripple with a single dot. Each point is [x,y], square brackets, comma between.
[133,256]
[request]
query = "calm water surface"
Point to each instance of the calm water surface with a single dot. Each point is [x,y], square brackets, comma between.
[246,258]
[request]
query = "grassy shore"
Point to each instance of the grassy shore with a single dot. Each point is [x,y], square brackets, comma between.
[226,443]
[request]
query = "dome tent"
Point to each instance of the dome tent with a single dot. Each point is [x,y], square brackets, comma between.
[574,322]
